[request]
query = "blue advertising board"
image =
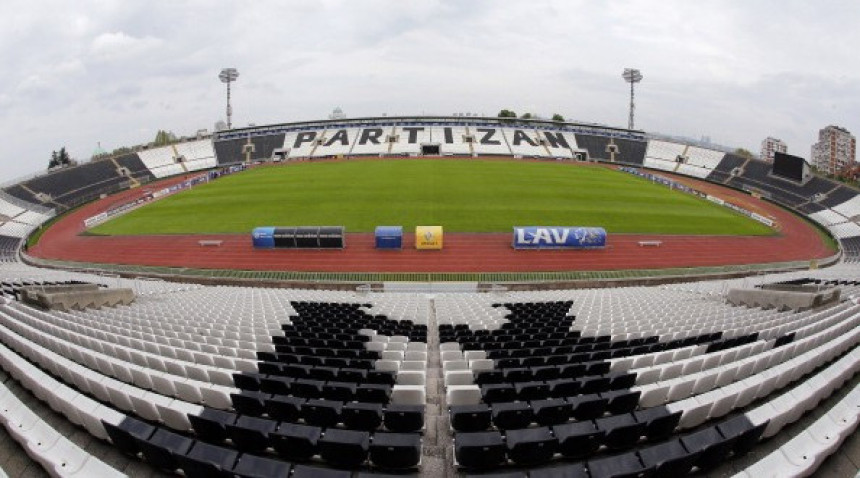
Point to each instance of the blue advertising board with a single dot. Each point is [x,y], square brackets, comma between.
[263,237]
[550,237]
[389,237]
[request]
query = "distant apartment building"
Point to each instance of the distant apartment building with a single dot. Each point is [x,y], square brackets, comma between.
[770,146]
[835,150]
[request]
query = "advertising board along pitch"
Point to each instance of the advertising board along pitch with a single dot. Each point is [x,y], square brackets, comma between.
[555,237]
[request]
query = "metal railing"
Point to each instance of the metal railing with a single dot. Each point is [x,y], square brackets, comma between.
[498,278]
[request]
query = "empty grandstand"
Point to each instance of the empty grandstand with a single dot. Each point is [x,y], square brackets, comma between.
[202,379]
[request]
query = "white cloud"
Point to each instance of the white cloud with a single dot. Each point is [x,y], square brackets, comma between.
[117,46]
[117,71]
[69,67]
[34,84]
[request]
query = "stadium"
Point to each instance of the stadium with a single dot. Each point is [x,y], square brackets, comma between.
[714,328]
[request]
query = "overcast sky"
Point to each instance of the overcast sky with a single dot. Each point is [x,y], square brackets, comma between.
[116,71]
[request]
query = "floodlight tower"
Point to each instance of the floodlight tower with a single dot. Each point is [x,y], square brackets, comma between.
[229,75]
[632,76]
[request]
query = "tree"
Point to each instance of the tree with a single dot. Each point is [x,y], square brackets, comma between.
[55,161]
[63,157]
[744,153]
[558,117]
[507,114]
[526,116]
[60,159]
[163,138]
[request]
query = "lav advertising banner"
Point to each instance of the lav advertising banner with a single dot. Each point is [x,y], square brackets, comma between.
[551,237]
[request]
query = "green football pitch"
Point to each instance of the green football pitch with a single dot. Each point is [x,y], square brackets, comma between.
[460,195]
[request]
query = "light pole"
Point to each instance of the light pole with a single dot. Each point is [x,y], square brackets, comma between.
[632,76]
[229,75]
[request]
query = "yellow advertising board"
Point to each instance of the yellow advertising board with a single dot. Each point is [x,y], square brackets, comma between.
[428,237]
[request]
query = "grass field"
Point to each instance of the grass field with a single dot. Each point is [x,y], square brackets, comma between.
[462,196]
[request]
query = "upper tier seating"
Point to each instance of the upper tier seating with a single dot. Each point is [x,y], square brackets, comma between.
[33,218]
[198,155]
[18,191]
[491,141]
[723,171]
[15,229]
[75,185]
[9,248]
[601,147]
[302,143]
[560,143]
[157,158]
[9,209]
[451,143]
[704,158]
[410,140]
[839,195]
[135,166]
[828,217]
[663,155]
[525,142]
[754,175]
[17,219]
[233,151]
[850,209]
[336,142]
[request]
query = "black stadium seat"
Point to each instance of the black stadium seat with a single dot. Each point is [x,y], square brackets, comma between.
[745,434]
[571,470]
[531,446]
[274,385]
[163,447]
[395,450]
[479,449]
[295,441]
[212,423]
[659,422]
[286,409]
[551,411]
[403,418]
[621,401]
[622,431]
[322,413]
[250,403]
[588,407]
[578,439]
[127,435]
[306,471]
[205,460]
[344,448]
[362,416]
[712,447]
[251,466]
[669,458]
[251,434]
[373,393]
[470,418]
[509,415]
[627,465]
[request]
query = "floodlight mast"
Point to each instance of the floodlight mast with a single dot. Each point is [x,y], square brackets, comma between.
[632,76]
[229,75]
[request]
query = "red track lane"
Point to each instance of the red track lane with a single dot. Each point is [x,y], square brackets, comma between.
[797,240]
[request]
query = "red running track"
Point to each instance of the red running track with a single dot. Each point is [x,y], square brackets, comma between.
[796,240]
